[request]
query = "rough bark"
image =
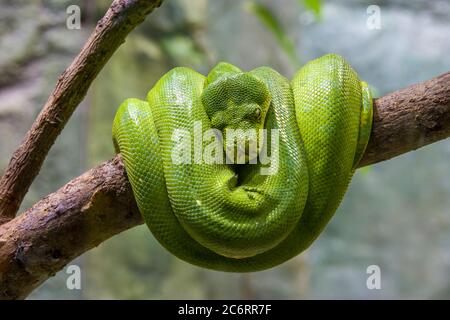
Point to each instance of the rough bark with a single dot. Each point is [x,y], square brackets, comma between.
[410,118]
[110,32]
[99,204]
[63,225]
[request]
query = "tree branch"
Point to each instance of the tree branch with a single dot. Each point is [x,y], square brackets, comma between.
[110,32]
[99,204]
[63,225]
[408,119]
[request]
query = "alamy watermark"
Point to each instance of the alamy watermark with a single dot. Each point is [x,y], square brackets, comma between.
[374,279]
[73,281]
[374,20]
[241,146]
[73,20]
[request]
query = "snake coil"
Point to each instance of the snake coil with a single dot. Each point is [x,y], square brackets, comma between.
[256,214]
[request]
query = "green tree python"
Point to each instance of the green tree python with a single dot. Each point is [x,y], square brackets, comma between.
[220,204]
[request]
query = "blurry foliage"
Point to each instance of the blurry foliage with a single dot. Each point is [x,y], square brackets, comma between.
[269,20]
[315,6]
[183,49]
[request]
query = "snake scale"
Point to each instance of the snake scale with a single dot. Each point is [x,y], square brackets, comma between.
[230,216]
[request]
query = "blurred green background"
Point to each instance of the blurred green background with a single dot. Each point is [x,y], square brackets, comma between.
[396,214]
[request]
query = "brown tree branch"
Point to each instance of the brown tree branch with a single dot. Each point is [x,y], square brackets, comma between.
[99,204]
[63,225]
[110,32]
[408,119]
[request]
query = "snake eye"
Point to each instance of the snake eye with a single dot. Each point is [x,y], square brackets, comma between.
[258,113]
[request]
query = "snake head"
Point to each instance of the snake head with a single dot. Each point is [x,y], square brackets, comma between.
[236,103]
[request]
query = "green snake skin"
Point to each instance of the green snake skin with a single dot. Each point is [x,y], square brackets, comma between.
[237,217]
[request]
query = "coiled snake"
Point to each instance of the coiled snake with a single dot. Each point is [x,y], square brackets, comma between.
[213,211]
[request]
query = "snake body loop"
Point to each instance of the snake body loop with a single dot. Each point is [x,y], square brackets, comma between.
[247,216]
